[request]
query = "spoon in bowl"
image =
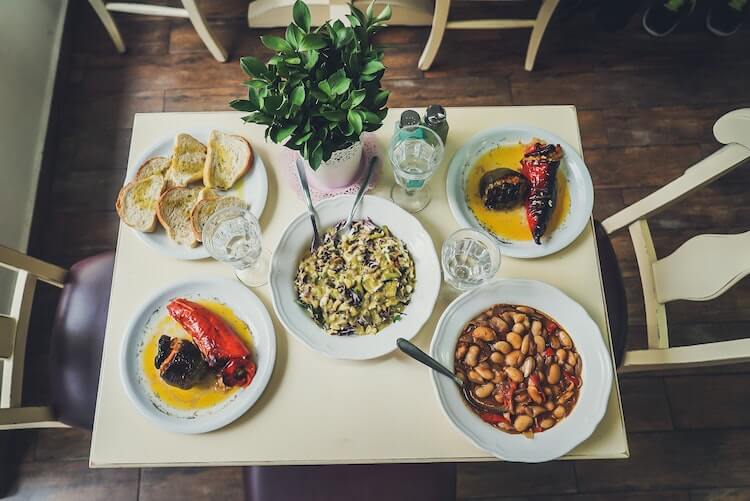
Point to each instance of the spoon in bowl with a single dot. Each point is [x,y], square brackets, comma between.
[310,207]
[414,352]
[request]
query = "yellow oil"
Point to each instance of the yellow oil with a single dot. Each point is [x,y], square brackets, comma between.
[207,393]
[140,195]
[510,224]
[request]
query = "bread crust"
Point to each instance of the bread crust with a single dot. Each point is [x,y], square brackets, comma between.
[207,169]
[120,204]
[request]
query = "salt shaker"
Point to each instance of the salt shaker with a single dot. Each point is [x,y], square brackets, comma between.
[435,118]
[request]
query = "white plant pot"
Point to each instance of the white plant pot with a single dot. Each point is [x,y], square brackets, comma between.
[339,171]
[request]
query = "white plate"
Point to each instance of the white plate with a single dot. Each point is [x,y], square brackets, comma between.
[246,306]
[295,244]
[572,166]
[253,188]
[597,371]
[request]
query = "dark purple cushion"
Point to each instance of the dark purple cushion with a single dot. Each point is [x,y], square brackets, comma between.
[365,482]
[78,339]
[614,292]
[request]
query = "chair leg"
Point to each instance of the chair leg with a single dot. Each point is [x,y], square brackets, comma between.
[109,24]
[540,26]
[199,23]
[439,21]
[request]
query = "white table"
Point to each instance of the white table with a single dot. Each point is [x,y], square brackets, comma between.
[317,410]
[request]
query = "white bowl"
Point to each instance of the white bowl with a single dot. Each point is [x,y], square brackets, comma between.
[572,167]
[246,306]
[597,371]
[295,244]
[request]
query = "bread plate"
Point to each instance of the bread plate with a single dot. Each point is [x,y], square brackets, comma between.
[572,167]
[253,188]
[597,371]
[245,306]
[294,244]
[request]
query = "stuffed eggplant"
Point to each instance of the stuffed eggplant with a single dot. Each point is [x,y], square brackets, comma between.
[502,188]
[179,362]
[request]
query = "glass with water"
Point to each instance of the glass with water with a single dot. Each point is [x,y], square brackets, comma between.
[469,258]
[415,153]
[232,235]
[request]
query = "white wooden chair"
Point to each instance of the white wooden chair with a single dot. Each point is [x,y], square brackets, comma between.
[189,10]
[440,23]
[76,340]
[684,274]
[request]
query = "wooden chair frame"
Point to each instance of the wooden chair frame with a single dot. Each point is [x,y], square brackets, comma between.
[440,23]
[667,279]
[13,334]
[189,10]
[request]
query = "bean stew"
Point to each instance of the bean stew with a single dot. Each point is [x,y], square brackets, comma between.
[522,370]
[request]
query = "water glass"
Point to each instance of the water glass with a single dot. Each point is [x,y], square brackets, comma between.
[232,236]
[469,258]
[415,152]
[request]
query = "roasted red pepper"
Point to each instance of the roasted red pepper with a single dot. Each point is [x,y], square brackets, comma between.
[492,418]
[571,378]
[550,326]
[220,346]
[539,165]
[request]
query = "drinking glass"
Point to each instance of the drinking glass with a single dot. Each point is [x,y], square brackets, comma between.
[415,152]
[469,258]
[232,236]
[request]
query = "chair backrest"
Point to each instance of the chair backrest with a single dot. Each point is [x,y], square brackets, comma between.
[683,274]
[14,326]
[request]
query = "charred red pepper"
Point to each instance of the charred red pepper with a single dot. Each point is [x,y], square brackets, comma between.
[492,418]
[539,165]
[571,378]
[550,326]
[220,346]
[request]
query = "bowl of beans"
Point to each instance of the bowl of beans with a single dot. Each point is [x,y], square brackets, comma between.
[536,370]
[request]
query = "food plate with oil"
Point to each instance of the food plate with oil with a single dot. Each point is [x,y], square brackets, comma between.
[208,404]
[504,147]
[252,188]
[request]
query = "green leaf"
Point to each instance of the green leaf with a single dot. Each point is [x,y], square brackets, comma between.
[294,35]
[371,118]
[283,132]
[276,43]
[319,95]
[326,87]
[253,67]
[381,98]
[313,41]
[358,14]
[298,95]
[372,67]
[334,116]
[353,20]
[316,157]
[301,15]
[253,95]
[272,103]
[385,14]
[357,97]
[370,9]
[242,105]
[300,140]
[293,60]
[312,59]
[355,120]
[339,82]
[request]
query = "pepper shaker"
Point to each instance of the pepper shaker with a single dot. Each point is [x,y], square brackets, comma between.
[436,119]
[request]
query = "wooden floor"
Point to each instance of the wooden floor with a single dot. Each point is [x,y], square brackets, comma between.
[646,108]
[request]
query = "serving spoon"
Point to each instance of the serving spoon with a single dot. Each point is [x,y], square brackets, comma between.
[358,199]
[308,198]
[414,352]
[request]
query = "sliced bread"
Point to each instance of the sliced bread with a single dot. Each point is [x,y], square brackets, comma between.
[155,165]
[188,161]
[205,208]
[137,202]
[174,209]
[229,158]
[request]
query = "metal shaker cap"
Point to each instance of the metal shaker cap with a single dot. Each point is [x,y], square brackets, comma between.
[435,114]
[409,117]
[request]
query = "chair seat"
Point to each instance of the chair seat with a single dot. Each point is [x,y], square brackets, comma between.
[614,292]
[78,340]
[365,482]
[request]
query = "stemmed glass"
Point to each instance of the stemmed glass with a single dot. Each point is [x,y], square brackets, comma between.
[415,152]
[469,258]
[232,235]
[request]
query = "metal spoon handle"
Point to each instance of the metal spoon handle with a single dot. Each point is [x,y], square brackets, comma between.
[420,356]
[308,198]
[362,190]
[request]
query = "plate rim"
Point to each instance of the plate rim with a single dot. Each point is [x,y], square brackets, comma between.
[455,170]
[331,353]
[199,252]
[223,418]
[603,359]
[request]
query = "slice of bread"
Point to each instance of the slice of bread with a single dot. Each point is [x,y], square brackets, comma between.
[229,158]
[155,165]
[205,208]
[188,160]
[137,202]
[174,209]
[208,194]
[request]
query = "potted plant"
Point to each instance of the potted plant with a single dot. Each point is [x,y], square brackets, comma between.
[320,91]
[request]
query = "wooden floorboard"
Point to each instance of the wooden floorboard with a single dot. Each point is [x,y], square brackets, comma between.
[646,109]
